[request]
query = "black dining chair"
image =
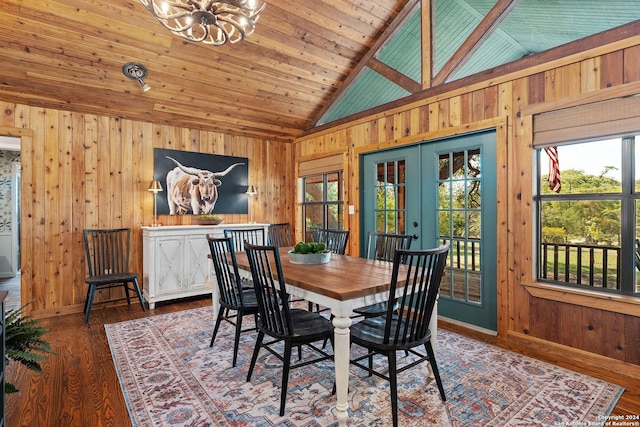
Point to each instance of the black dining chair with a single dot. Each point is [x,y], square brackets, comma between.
[280,235]
[107,254]
[279,321]
[336,240]
[255,236]
[408,327]
[382,247]
[236,299]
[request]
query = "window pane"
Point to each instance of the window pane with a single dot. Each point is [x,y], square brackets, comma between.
[314,217]
[313,189]
[637,164]
[637,245]
[322,207]
[593,167]
[581,242]
[334,216]
[334,187]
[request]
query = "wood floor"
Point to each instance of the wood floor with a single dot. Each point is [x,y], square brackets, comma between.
[79,386]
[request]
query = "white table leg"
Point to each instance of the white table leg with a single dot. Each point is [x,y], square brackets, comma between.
[342,354]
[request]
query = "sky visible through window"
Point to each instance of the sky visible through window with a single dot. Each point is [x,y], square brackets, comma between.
[590,157]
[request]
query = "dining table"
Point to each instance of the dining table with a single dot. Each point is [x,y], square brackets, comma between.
[342,284]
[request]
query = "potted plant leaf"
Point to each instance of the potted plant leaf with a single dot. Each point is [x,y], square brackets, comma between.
[24,342]
[310,253]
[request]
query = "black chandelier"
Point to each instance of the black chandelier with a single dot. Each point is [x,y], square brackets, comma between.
[207,21]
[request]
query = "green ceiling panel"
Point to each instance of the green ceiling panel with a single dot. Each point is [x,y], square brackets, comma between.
[402,52]
[369,90]
[532,26]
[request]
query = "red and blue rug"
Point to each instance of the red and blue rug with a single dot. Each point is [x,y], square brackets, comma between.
[171,377]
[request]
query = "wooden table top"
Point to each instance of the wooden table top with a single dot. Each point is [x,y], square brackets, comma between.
[343,278]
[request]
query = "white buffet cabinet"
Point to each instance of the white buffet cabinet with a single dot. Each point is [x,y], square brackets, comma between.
[175,260]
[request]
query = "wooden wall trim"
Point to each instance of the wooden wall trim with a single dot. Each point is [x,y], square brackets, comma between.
[623,304]
[432,135]
[11,131]
[606,94]
[574,356]
[320,155]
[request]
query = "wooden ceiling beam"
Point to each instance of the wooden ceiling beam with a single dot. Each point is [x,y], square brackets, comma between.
[402,80]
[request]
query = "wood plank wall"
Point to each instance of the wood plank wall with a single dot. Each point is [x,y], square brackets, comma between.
[88,171]
[579,326]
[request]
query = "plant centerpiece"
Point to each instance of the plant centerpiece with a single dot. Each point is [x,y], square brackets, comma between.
[209,219]
[309,253]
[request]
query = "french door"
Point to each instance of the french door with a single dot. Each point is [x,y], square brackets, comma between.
[442,192]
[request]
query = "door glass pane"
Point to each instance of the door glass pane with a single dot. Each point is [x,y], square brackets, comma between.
[391,197]
[459,206]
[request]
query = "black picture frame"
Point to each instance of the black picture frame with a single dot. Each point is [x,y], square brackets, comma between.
[228,174]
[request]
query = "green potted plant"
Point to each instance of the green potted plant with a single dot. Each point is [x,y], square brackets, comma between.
[24,342]
[310,253]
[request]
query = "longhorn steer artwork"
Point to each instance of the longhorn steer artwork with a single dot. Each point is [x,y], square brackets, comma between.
[194,189]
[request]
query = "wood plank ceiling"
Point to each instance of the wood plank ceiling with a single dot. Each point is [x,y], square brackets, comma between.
[68,54]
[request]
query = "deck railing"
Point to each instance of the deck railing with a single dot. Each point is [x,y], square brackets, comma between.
[597,266]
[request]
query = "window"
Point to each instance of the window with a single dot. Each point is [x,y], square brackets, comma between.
[588,230]
[322,206]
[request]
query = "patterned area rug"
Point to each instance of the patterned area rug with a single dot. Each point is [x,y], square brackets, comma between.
[171,377]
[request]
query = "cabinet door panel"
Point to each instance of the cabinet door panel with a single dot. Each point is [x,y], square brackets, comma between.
[196,261]
[169,264]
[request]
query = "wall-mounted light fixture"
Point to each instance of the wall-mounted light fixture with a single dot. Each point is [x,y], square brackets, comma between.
[155,187]
[251,191]
[138,72]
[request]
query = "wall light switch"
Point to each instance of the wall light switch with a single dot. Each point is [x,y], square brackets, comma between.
[352,209]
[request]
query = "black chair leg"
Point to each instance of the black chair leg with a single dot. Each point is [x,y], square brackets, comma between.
[89,302]
[434,368]
[125,285]
[137,288]
[221,311]
[86,299]
[393,386]
[286,363]
[236,341]
[256,350]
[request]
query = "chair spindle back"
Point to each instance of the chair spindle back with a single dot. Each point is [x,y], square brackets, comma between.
[273,299]
[382,246]
[107,250]
[226,270]
[255,236]
[280,235]
[424,270]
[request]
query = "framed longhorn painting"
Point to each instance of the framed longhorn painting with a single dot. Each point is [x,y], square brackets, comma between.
[199,183]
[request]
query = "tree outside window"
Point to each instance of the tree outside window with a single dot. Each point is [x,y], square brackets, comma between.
[322,207]
[587,231]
